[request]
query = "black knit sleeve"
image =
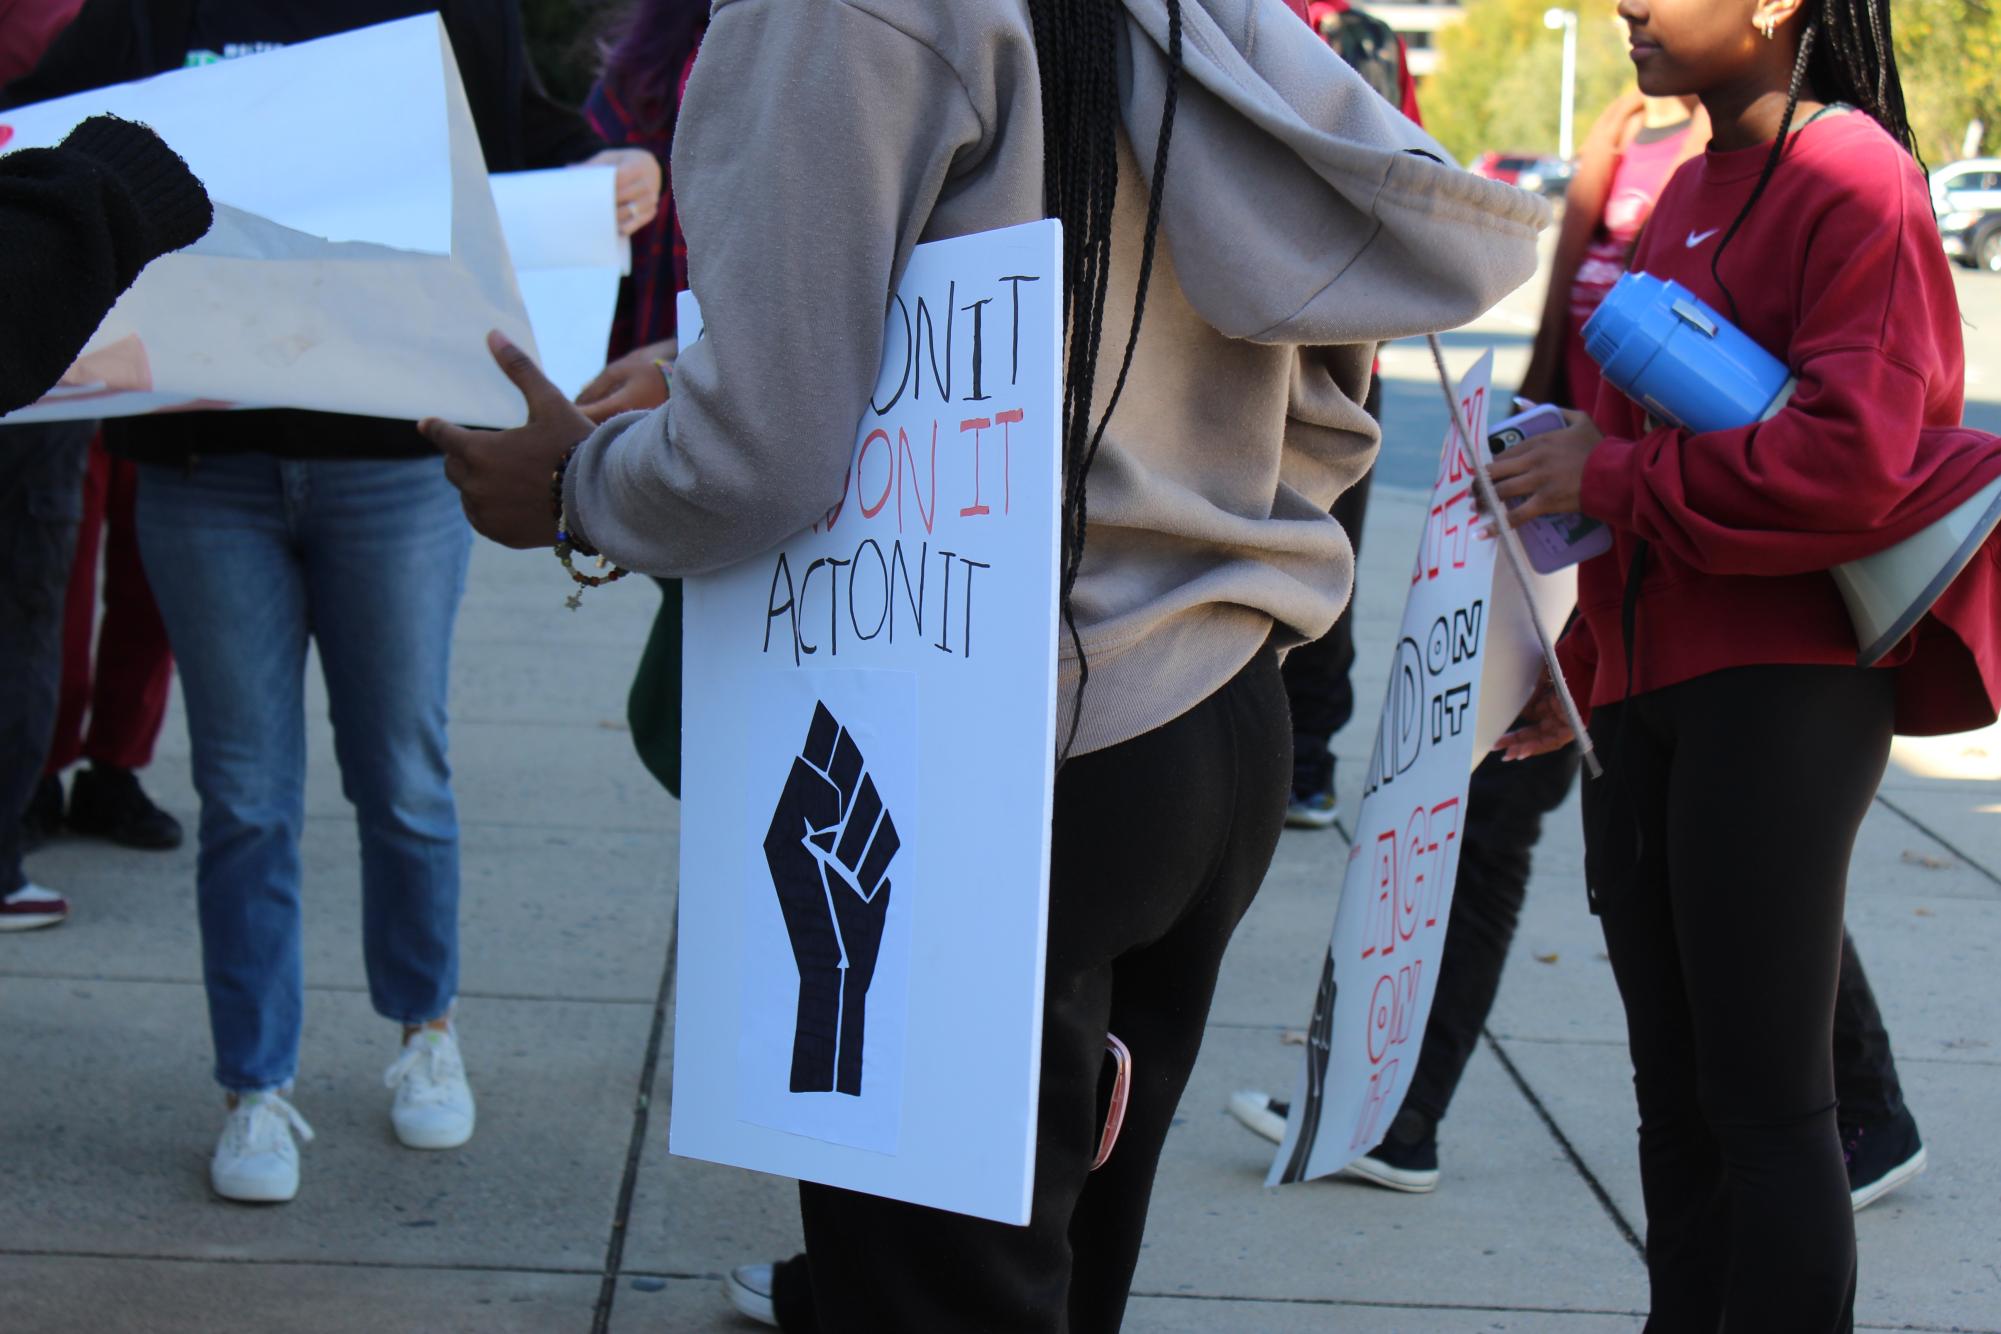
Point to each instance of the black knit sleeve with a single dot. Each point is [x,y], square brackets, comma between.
[77,224]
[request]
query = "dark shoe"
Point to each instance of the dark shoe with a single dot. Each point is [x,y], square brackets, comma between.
[1311,810]
[1395,1165]
[1881,1157]
[109,803]
[43,819]
[1410,1168]
[1311,805]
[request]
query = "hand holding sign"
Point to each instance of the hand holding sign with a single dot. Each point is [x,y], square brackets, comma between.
[1542,728]
[829,848]
[503,476]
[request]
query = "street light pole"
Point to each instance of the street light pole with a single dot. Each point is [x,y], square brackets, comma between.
[1566,19]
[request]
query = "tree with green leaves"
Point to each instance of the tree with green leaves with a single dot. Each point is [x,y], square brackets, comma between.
[1500,76]
[1949,53]
[1500,73]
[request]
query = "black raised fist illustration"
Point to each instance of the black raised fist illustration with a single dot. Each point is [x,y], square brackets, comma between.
[829,849]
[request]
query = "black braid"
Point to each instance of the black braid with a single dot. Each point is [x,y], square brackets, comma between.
[1846,55]
[1076,45]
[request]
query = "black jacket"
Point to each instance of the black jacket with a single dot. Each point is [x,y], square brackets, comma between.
[77,223]
[520,128]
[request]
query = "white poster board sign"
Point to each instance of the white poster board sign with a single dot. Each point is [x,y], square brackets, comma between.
[1465,662]
[869,741]
[356,262]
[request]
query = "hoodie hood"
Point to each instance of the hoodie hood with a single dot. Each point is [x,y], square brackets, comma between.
[1322,213]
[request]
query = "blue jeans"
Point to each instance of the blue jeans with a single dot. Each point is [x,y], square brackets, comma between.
[249,555]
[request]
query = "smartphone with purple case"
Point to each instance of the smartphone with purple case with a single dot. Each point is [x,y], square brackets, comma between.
[1555,540]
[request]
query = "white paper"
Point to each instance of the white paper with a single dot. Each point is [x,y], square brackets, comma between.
[343,138]
[955,1043]
[562,218]
[562,234]
[266,310]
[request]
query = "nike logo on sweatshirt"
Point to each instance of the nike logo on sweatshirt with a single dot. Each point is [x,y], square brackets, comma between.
[1697,238]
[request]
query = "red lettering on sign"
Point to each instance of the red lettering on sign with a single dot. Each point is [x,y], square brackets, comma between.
[975,425]
[1381,935]
[888,478]
[1007,419]
[906,465]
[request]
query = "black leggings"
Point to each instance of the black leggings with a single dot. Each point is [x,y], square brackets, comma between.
[1159,846]
[1718,843]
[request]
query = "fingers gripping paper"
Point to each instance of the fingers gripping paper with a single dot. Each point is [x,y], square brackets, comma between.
[870,744]
[356,262]
[1465,662]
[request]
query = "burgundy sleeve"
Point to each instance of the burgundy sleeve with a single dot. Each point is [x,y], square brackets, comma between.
[1876,350]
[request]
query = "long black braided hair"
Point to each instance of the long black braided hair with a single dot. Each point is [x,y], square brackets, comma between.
[1846,55]
[1076,50]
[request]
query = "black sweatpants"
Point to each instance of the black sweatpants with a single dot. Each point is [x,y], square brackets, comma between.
[1504,815]
[41,502]
[1719,848]
[1159,846]
[1319,677]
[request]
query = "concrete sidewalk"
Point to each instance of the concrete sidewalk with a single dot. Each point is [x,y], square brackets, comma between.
[566,1216]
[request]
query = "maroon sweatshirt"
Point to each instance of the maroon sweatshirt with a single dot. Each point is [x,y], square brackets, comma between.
[1839,273]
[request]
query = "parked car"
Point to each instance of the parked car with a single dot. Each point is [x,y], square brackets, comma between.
[1549,175]
[1973,237]
[1528,171]
[1973,185]
[1506,168]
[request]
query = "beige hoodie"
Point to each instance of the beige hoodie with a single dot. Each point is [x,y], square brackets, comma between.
[821,139]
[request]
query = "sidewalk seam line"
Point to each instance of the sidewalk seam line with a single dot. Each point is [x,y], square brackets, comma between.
[329,988]
[1569,1150]
[1385,1304]
[413,1266]
[642,1110]
[1938,838]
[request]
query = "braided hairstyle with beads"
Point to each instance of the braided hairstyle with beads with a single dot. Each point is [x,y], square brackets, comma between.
[1076,51]
[1845,55]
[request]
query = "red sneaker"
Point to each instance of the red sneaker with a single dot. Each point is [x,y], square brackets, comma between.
[31,906]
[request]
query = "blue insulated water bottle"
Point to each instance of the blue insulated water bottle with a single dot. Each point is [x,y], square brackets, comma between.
[1663,347]
[1667,351]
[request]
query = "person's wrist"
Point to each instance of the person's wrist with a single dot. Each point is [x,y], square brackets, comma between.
[570,542]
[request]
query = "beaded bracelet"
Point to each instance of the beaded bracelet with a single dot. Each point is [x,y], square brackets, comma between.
[567,547]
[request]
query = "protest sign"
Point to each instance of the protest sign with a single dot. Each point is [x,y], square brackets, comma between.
[868,746]
[356,261]
[1465,661]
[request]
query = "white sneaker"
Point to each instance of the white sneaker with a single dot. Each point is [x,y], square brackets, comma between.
[30,907]
[433,1107]
[256,1161]
[749,1289]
